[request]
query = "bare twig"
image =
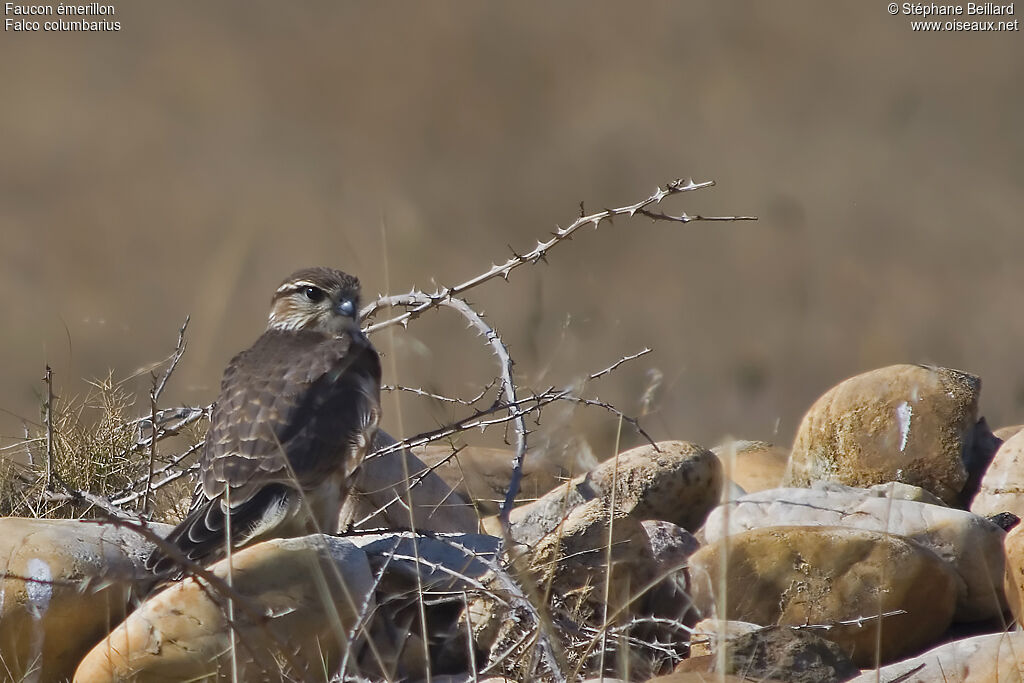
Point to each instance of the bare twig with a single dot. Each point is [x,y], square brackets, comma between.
[614,366]
[153,393]
[539,253]
[170,422]
[172,361]
[418,300]
[633,422]
[439,397]
[519,602]
[363,614]
[48,481]
[125,498]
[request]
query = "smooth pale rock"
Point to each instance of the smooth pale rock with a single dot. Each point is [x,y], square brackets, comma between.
[312,586]
[972,545]
[906,423]
[753,465]
[827,575]
[989,658]
[1013,580]
[1005,433]
[481,474]
[1002,486]
[680,483]
[65,583]
[380,497]
[707,633]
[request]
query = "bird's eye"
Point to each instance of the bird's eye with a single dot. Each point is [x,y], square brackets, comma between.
[314,294]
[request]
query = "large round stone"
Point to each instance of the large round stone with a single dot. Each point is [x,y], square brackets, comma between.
[1014,578]
[906,423]
[1002,487]
[989,658]
[65,584]
[676,482]
[849,582]
[296,600]
[753,465]
[972,545]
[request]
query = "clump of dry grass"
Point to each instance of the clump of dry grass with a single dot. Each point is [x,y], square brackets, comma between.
[92,443]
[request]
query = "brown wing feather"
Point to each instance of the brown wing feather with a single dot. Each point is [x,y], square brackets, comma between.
[294,409]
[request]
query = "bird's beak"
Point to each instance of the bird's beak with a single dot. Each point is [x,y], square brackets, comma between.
[347,308]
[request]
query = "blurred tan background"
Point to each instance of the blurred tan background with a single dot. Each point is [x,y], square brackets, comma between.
[188,163]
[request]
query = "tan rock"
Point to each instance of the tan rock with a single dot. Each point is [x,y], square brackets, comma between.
[311,588]
[972,545]
[989,658]
[906,423]
[571,565]
[707,633]
[380,497]
[574,559]
[828,575]
[65,584]
[678,483]
[1013,581]
[753,465]
[481,474]
[1002,487]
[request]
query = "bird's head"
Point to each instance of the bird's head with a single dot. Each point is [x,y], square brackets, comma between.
[321,299]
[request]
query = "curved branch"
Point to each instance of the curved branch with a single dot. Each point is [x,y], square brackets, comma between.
[539,253]
[418,302]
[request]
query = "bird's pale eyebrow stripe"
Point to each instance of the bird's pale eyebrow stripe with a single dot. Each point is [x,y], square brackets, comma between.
[296,285]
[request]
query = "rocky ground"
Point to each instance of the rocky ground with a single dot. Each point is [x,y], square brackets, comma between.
[882,546]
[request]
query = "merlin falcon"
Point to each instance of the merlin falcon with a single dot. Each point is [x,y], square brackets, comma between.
[292,424]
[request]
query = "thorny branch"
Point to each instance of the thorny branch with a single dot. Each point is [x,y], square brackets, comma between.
[507,387]
[417,302]
[539,253]
[172,362]
[439,397]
